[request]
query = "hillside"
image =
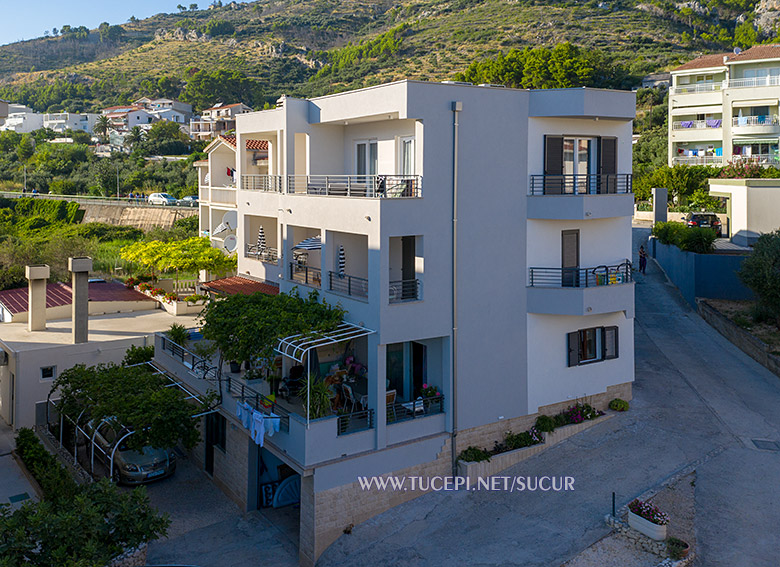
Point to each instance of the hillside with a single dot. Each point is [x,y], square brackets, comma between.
[283,45]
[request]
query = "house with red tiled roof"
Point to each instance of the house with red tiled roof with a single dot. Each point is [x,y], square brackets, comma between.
[723,108]
[216,120]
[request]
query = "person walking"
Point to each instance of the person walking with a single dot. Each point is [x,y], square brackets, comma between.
[642,260]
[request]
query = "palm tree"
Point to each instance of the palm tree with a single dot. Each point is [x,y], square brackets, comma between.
[102,126]
[134,137]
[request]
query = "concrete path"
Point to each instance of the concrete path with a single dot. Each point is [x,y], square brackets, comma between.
[15,489]
[697,400]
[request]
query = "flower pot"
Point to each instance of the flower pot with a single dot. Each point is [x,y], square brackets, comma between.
[235,367]
[646,527]
[683,547]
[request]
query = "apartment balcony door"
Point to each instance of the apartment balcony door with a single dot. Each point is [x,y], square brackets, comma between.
[366,158]
[570,258]
[406,163]
[406,369]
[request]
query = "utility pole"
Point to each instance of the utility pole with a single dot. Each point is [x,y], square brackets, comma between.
[117,181]
[25,178]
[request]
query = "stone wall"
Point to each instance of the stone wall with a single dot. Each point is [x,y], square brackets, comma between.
[135,557]
[139,217]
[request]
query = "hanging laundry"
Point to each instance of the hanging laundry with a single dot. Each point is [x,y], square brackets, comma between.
[274,421]
[246,416]
[258,428]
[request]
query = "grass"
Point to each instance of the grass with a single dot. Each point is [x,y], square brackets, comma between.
[740,312]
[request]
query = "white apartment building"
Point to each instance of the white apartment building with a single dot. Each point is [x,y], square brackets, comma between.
[478,238]
[3,110]
[724,108]
[217,120]
[23,122]
[62,121]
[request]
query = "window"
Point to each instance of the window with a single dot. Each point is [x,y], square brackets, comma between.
[216,431]
[48,372]
[367,158]
[407,156]
[592,345]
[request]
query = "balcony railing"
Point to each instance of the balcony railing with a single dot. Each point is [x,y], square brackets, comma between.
[267,255]
[697,160]
[421,407]
[697,124]
[739,121]
[768,81]
[760,159]
[697,88]
[269,183]
[348,285]
[305,274]
[371,186]
[586,184]
[404,290]
[581,277]
[355,421]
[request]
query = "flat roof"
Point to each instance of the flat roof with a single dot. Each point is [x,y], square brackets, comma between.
[240,285]
[102,328]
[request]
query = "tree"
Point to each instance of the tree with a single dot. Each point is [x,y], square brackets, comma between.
[761,273]
[193,7]
[101,128]
[134,137]
[105,175]
[25,149]
[204,88]
[190,255]
[180,8]
[55,32]
[745,35]
[166,130]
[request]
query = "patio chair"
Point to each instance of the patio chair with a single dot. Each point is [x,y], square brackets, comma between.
[349,397]
[292,384]
[390,401]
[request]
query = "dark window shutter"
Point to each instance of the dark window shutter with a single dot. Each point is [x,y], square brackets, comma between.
[553,155]
[610,342]
[608,156]
[573,340]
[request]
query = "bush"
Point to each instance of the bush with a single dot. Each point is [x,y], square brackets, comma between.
[545,423]
[668,232]
[760,273]
[144,286]
[171,297]
[618,405]
[54,480]
[698,239]
[474,455]
[525,439]
[676,548]
[138,355]
[130,283]
[178,334]
[761,314]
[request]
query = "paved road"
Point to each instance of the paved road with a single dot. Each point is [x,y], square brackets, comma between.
[698,399]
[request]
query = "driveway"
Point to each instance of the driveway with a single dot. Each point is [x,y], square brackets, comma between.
[697,400]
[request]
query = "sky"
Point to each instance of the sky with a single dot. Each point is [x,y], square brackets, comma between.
[28,19]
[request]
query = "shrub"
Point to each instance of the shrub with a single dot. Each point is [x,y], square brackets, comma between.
[171,297]
[618,405]
[157,291]
[54,480]
[668,232]
[676,548]
[138,355]
[178,333]
[545,423]
[130,283]
[474,455]
[760,273]
[525,439]
[195,298]
[761,314]
[144,286]
[697,239]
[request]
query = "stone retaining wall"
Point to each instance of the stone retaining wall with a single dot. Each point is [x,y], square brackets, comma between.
[135,557]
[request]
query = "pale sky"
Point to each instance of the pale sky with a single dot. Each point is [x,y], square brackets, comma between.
[27,19]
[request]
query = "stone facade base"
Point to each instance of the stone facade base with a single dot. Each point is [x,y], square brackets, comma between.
[135,557]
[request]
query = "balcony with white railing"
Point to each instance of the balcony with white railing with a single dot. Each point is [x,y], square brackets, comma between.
[697,124]
[266,183]
[768,124]
[753,82]
[696,88]
[697,160]
[766,160]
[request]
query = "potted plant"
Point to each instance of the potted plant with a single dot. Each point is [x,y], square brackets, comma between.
[178,334]
[235,367]
[647,519]
[677,548]
[431,397]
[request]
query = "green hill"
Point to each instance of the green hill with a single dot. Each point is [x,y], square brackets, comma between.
[309,47]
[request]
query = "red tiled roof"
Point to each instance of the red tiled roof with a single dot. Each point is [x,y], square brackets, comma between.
[59,294]
[224,106]
[250,144]
[705,62]
[239,285]
[769,51]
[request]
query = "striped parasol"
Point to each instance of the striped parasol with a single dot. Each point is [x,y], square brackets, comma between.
[260,240]
[342,262]
[313,243]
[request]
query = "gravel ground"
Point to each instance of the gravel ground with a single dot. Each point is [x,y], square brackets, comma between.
[677,500]
[613,550]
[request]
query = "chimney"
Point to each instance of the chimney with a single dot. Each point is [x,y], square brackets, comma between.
[37,275]
[80,268]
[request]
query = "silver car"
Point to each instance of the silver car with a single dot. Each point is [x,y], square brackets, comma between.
[162,199]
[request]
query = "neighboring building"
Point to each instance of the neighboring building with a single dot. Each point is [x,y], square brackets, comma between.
[724,108]
[170,104]
[217,120]
[23,122]
[357,204]
[169,114]
[63,121]
[752,207]
[657,80]
[124,118]
[30,360]
[3,111]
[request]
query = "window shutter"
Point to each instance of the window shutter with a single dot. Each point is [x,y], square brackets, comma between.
[573,340]
[610,342]
[553,155]
[608,160]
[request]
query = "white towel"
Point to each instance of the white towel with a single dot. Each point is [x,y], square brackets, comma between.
[246,416]
[258,427]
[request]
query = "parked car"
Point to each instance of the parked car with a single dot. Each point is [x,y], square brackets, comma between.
[162,199]
[704,220]
[131,467]
[188,201]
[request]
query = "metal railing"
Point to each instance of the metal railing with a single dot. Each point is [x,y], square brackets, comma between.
[256,182]
[581,277]
[347,285]
[421,407]
[370,186]
[306,275]
[697,124]
[404,290]
[355,421]
[768,81]
[697,88]
[697,160]
[89,200]
[740,121]
[585,184]
[760,159]
[267,254]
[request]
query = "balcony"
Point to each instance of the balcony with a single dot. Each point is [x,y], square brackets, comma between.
[697,88]
[223,196]
[753,82]
[397,412]
[697,124]
[766,160]
[404,290]
[581,291]
[266,255]
[697,160]
[743,125]
[365,186]
[351,286]
[580,197]
[267,183]
[304,274]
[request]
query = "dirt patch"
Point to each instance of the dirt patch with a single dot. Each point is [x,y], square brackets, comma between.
[741,313]
[615,549]
[677,500]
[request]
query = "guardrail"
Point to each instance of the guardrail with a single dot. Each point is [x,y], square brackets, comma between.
[697,88]
[369,186]
[355,421]
[581,277]
[740,121]
[768,81]
[257,182]
[90,200]
[697,124]
[421,407]
[697,160]
[404,290]
[305,274]
[585,184]
[267,255]
[348,285]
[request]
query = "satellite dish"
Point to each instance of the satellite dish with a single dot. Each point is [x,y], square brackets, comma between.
[230,219]
[737,51]
[231,243]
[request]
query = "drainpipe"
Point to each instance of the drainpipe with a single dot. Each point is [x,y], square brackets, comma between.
[457,107]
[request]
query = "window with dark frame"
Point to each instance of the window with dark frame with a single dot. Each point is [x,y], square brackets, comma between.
[48,372]
[592,345]
[218,429]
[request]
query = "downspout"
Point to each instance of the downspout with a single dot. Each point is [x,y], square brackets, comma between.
[457,107]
